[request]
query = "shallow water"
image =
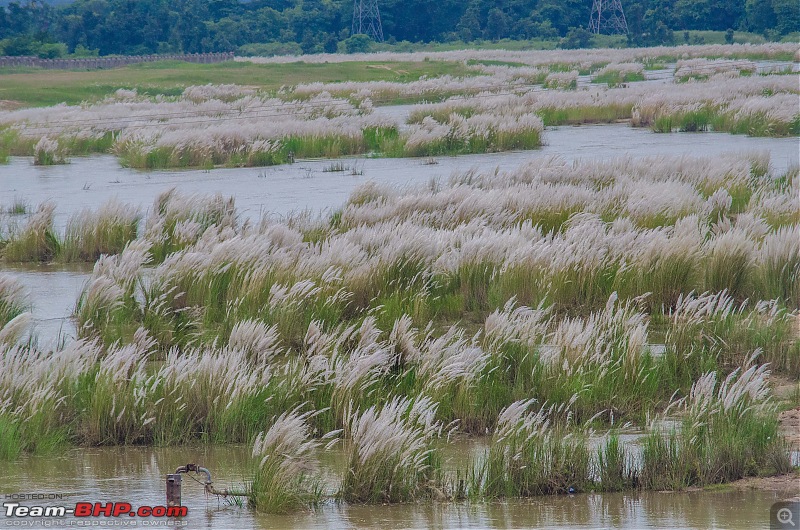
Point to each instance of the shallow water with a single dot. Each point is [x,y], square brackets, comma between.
[88,182]
[137,475]
[53,291]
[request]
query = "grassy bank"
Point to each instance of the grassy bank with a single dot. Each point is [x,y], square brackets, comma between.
[169,78]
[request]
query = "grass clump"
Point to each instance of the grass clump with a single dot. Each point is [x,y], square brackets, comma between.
[390,455]
[617,74]
[728,431]
[527,458]
[729,263]
[562,80]
[12,299]
[10,443]
[480,133]
[37,241]
[47,152]
[106,231]
[179,220]
[712,331]
[616,470]
[108,307]
[34,415]
[18,207]
[335,167]
[600,363]
[284,462]
[777,275]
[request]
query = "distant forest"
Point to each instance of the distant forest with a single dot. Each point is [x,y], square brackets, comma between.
[131,27]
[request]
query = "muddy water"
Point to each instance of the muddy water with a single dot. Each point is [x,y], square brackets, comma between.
[87,182]
[136,475]
[52,292]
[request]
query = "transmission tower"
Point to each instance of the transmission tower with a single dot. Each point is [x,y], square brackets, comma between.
[608,17]
[367,19]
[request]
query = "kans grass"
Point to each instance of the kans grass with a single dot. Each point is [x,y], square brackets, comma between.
[492,106]
[540,305]
[518,304]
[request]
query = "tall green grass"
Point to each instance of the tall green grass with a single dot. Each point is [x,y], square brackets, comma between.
[90,235]
[48,152]
[615,78]
[10,444]
[406,313]
[616,468]
[526,458]
[35,242]
[727,432]
[12,299]
[284,462]
[391,455]
[712,331]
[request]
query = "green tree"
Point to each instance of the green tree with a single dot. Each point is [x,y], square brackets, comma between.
[576,38]
[358,43]
[787,14]
[729,36]
[760,15]
[469,27]
[710,14]
[496,24]
[148,26]
[52,50]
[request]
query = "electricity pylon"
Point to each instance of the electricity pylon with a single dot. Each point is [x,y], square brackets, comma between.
[608,17]
[367,19]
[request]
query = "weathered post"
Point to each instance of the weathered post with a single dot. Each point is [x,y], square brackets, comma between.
[173,489]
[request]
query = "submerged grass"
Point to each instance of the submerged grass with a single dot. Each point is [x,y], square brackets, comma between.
[390,456]
[19,206]
[284,466]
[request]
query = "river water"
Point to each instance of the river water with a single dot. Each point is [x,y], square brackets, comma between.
[137,475]
[52,291]
[88,182]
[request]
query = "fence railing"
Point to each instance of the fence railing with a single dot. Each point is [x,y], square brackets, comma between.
[93,63]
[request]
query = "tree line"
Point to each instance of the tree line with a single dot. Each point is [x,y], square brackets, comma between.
[132,27]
